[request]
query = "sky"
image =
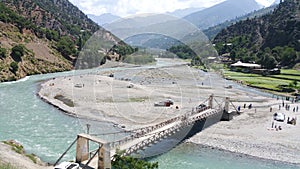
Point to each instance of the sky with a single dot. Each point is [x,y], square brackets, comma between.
[131,7]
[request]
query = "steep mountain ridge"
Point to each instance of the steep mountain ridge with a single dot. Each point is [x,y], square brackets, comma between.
[42,36]
[58,15]
[180,13]
[219,13]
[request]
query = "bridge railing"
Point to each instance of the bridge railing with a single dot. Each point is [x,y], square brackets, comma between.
[158,135]
[142,132]
[145,130]
[155,137]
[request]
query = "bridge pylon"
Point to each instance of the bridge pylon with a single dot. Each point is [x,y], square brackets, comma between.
[83,154]
[227,116]
[210,100]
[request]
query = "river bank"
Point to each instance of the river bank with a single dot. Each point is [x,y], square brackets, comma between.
[252,134]
[18,160]
[128,98]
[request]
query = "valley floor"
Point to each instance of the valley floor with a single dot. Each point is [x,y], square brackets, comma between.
[128,98]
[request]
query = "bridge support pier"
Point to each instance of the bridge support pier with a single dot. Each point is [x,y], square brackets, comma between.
[104,157]
[82,152]
[210,100]
[227,116]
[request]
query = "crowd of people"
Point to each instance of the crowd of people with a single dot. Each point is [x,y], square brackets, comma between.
[285,107]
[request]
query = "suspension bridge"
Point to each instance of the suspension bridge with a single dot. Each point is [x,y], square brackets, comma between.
[144,142]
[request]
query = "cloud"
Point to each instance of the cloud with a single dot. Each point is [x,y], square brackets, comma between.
[130,7]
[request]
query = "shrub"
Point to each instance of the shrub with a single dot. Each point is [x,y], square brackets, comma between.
[2,53]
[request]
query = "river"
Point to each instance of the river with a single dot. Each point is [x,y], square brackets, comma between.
[47,132]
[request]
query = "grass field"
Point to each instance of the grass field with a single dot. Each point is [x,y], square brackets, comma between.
[290,71]
[288,77]
[272,83]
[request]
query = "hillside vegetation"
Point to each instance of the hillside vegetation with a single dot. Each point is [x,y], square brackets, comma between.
[42,36]
[271,40]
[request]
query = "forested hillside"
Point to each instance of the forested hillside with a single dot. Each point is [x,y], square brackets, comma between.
[42,36]
[272,40]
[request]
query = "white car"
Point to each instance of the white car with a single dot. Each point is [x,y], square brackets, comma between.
[67,165]
[279,117]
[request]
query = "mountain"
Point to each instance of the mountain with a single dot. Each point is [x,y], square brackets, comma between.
[180,13]
[271,40]
[104,19]
[152,41]
[153,30]
[219,13]
[42,36]
[277,2]
[213,31]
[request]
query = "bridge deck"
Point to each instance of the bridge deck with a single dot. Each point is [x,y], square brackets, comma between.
[143,141]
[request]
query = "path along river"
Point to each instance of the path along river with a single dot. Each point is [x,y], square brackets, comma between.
[47,132]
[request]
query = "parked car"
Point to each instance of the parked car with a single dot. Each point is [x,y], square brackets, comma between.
[166,103]
[67,165]
[79,85]
[279,117]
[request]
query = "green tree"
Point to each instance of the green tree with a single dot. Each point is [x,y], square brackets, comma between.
[233,55]
[182,51]
[127,162]
[52,35]
[277,53]
[289,56]
[14,67]
[268,61]
[17,52]
[66,47]
[123,50]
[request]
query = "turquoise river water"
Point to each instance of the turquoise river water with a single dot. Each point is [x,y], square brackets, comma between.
[47,132]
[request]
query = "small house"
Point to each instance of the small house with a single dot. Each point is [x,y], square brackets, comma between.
[244,67]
